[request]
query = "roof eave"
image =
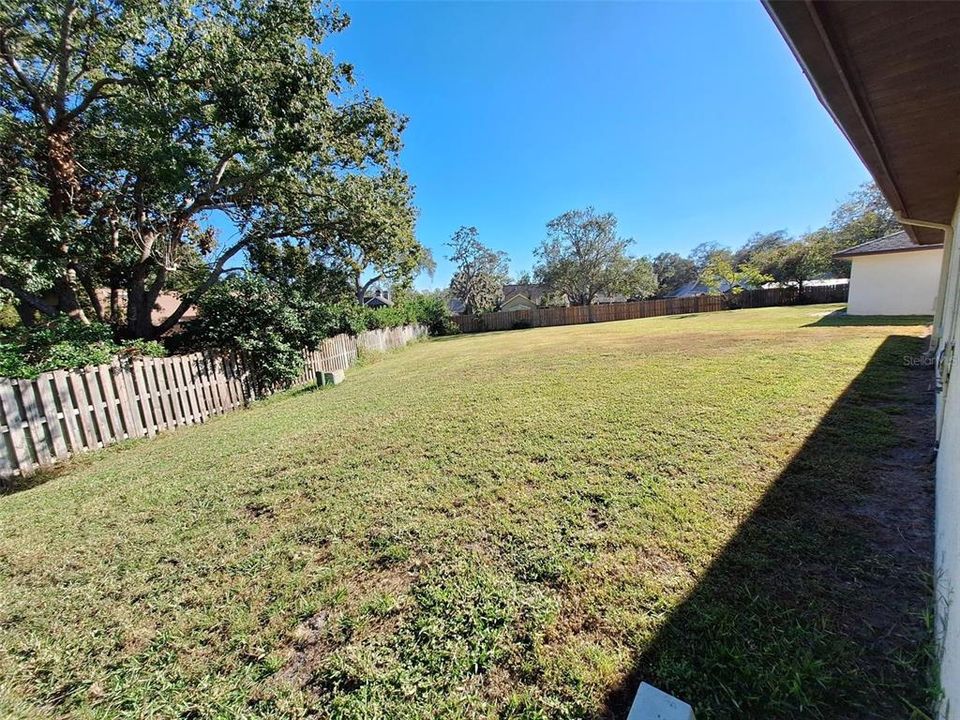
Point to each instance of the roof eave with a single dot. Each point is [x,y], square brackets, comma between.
[844,255]
[800,21]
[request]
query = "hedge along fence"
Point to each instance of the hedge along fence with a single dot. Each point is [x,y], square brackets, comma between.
[577,314]
[63,413]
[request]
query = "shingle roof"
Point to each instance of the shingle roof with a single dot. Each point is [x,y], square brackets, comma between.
[534,291]
[895,242]
[695,287]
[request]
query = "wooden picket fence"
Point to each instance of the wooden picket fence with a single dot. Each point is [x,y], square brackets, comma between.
[62,413]
[575,315]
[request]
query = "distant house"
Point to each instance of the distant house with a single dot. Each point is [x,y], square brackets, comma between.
[378,299]
[816,282]
[166,304]
[530,296]
[518,301]
[525,296]
[694,288]
[456,305]
[602,299]
[893,275]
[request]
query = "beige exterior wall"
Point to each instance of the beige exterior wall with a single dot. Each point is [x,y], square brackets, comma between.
[947,552]
[518,302]
[903,283]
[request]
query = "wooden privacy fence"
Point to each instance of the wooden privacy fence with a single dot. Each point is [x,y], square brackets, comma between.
[578,314]
[65,412]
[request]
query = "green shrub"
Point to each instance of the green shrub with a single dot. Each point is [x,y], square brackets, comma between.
[270,325]
[433,312]
[267,325]
[65,344]
[8,317]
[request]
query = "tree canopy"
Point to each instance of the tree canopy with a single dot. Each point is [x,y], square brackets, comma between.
[864,215]
[583,257]
[673,271]
[722,275]
[126,128]
[796,262]
[480,271]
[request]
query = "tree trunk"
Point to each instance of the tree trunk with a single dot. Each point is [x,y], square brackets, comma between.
[64,187]
[139,307]
[27,313]
[361,289]
[65,287]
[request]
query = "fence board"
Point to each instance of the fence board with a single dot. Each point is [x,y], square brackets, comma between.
[63,413]
[196,388]
[574,315]
[101,426]
[52,417]
[14,421]
[190,389]
[148,421]
[74,435]
[34,422]
[84,409]
[113,403]
[156,405]
[180,380]
[128,411]
[209,369]
[163,393]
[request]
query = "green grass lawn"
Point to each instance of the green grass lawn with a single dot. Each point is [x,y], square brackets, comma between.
[732,506]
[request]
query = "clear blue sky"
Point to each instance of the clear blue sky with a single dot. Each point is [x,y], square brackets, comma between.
[690,122]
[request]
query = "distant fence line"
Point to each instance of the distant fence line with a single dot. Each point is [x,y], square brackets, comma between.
[66,412]
[577,314]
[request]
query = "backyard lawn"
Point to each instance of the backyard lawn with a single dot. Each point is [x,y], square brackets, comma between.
[735,507]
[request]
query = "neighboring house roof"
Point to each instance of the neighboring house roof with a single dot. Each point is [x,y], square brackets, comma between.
[456,305]
[533,291]
[695,287]
[602,299]
[377,298]
[167,303]
[894,243]
[518,301]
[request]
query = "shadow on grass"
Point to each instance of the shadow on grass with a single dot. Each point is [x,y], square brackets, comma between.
[816,607]
[839,318]
[13,485]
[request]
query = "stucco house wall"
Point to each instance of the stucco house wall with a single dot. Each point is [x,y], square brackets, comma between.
[897,283]
[518,302]
[947,517]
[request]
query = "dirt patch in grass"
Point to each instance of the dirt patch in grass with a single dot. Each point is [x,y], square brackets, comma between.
[370,605]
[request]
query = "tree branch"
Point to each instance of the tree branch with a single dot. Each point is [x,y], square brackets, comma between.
[64,52]
[94,94]
[215,272]
[87,284]
[34,301]
[36,97]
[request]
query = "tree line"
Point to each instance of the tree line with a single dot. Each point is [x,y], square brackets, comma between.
[145,147]
[583,257]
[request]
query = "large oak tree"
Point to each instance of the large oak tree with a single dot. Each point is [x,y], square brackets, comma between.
[583,257]
[127,127]
[480,274]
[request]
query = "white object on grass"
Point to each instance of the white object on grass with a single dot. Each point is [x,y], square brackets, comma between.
[653,704]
